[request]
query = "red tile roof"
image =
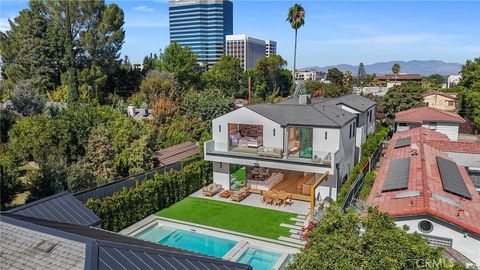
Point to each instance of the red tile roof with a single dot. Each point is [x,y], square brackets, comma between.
[455,147]
[427,114]
[425,178]
[400,77]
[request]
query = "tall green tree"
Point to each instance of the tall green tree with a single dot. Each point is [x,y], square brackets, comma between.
[401,97]
[353,241]
[471,75]
[30,50]
[205,105]
[396,70]
[270,71]
[361,75]
[226,75]
[93,36]
[296,18]
[10,184]
[335,76]
[182,63]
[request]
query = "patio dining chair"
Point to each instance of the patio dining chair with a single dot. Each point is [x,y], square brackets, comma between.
[267,198]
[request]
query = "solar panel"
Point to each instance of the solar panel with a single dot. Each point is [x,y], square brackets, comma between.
[452,180]
[397,175]
[402,142]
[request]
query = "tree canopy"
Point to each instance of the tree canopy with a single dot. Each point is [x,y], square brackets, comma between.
[226,75]
[401,97]
[371,241]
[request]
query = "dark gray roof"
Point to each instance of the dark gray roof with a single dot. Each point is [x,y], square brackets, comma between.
[355,102]
[108,250]
[452,180]
[397,175]
[314,115]
[62,207]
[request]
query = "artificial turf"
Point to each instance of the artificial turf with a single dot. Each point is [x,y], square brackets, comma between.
[234,217]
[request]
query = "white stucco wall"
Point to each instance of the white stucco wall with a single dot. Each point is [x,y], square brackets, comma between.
[468,246]
[320,144]
[245,116]
[449,129]
[221,174]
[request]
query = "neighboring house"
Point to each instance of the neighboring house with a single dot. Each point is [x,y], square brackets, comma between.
[138,113]
[444,122]
[310,75]
[440,100]
[59,232]
[390,80]
[453,80]
[290,145]
[423,188]
[374,90]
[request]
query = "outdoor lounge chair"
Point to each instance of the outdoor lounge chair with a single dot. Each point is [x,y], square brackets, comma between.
[212,189]
[240,195]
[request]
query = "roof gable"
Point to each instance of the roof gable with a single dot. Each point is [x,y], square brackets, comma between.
[62,207]
[427,114]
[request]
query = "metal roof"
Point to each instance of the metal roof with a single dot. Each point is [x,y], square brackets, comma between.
[402,142]
[108,250]
[397,175]
[62,207]
[452,180]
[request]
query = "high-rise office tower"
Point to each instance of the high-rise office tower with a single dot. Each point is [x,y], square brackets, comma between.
[247,49]
[270,47]
[201,25]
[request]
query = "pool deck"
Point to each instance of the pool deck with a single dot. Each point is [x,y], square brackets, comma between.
[244,240]
[255,200]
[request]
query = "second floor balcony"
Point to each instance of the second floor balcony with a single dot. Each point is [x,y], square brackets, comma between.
[255,150]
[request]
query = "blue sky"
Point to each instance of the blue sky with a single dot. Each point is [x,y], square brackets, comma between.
[334,33]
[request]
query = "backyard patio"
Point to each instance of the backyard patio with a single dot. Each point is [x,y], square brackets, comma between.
[254,199]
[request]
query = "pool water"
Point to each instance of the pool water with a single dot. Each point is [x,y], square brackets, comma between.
[259,259]
[188,240]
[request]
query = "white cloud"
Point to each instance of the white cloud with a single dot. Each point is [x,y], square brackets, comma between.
[143,8]
[4,25]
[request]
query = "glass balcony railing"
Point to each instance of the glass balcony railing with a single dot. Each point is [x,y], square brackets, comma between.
[267,153]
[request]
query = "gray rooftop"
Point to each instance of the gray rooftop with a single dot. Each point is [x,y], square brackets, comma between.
[314,114]
[62,207]
[19,249]
[355,102]
[84,247]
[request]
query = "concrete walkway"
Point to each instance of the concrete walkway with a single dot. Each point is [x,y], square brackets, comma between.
[297,207]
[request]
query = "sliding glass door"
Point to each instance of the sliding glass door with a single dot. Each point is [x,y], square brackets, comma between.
[300,142]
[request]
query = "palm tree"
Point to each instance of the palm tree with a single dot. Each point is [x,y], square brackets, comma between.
[396,70]
[296,18]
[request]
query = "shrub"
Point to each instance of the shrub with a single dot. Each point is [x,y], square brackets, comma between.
[132,205]
[368,148]
[367,186]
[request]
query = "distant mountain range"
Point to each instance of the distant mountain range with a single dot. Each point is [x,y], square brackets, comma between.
[424,68]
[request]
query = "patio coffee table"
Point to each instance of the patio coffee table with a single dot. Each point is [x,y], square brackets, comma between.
[225,194]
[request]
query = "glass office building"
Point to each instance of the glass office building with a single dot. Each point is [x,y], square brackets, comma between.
[201,25]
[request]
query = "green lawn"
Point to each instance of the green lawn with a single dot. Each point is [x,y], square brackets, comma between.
[234,217]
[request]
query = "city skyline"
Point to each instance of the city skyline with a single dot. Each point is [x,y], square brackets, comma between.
[334,32]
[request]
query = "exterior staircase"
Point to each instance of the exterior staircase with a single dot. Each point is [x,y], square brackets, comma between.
[295,231]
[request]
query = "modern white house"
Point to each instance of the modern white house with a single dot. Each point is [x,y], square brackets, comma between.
[424,188]
[444,122]
[289,146]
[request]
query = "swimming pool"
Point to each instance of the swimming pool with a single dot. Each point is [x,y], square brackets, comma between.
[187,240]
[259,259]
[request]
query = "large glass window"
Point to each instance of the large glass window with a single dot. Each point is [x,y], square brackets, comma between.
[238,176]
[300,142]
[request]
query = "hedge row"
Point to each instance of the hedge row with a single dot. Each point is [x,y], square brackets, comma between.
[368,148]
[132,205]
